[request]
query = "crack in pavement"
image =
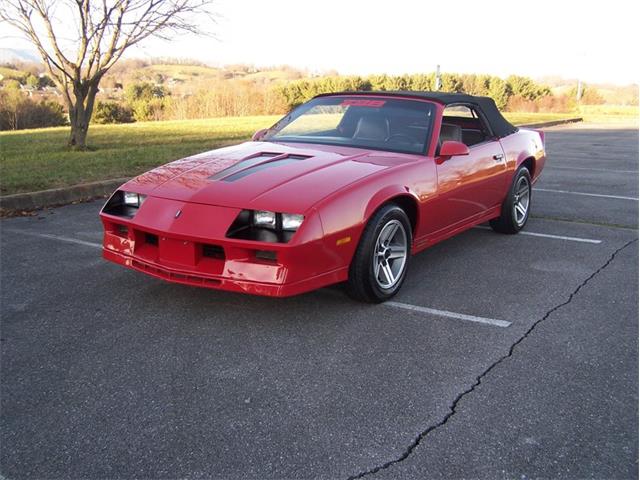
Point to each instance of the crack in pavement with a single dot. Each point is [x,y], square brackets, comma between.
[478,381]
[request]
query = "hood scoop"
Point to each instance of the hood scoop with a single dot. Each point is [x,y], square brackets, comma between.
[256,163]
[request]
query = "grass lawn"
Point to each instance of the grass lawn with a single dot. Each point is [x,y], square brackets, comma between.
[32,160]
[590,113]
[525,118]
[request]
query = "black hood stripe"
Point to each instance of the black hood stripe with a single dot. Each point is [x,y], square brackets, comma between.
[257,168]
[258,163]
[244,163]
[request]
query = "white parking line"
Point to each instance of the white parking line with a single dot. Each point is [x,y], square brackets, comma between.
[548,235]
[619,197]
[406,306]
[562,237]
[431,311]
[447,314]
[553,167]
[54,237]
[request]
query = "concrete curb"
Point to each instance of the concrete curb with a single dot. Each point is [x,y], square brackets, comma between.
[58,196]
[552,123]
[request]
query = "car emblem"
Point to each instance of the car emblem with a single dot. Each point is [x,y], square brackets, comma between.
[178,213]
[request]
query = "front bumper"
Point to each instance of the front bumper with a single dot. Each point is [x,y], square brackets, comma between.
[220,282]
[191,248]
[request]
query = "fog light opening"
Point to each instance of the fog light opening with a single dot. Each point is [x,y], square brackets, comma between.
[151,239]
[268,255]
[121,230]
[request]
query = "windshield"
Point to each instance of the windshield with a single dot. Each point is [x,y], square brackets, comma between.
[389,124]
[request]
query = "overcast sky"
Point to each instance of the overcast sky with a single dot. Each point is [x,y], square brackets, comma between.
[535,38]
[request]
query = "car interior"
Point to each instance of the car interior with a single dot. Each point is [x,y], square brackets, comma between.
[393,127]
[399,128]
[462,124]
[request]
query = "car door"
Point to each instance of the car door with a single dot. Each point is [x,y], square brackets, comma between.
[468,185]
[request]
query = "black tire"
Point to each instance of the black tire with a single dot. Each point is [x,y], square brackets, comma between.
[363,284]
[512,218]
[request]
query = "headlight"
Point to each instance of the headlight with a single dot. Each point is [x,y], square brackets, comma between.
[291,221]
[124,204]
[132,199]
[263,218]
[265,226]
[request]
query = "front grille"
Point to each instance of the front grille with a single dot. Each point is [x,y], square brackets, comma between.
[212,251]
[174,276]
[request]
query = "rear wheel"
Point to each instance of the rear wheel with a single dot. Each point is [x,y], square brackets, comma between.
[516,207]
[380,263]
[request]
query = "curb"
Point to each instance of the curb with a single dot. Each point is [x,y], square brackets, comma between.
[552,123]
[58,196]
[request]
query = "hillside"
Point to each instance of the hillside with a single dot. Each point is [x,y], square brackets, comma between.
[184,79]
[179,89]
[18,55]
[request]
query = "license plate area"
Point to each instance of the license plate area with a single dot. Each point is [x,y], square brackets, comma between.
[179,252]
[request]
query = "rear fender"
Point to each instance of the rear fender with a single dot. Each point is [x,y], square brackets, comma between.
[523,145]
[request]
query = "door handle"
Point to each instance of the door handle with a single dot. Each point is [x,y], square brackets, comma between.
[498,156]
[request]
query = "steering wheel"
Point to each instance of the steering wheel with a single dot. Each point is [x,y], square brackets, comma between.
[400,136]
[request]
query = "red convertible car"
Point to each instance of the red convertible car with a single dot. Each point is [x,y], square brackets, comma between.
[345,188]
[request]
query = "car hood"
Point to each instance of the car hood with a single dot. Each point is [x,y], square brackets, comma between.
[264,175]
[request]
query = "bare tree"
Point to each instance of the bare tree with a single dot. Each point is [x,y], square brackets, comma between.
[105,30]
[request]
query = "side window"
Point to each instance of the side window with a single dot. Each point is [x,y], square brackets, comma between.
[459,111]
[462,123]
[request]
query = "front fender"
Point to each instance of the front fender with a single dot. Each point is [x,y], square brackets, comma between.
[345,217]
[387,194]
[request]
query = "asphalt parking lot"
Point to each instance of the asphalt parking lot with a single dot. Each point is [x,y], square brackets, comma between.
[502,357]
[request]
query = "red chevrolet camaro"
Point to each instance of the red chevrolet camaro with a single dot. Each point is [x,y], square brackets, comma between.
[345,188]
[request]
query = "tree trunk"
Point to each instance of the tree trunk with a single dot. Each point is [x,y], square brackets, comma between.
[78,137]
[79,124]
[80,114]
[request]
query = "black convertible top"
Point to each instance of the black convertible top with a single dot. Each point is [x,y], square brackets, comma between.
[499,125]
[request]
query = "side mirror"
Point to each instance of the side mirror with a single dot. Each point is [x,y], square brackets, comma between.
[259,134]
[452,148]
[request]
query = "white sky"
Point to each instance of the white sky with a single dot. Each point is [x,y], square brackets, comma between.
[595,41]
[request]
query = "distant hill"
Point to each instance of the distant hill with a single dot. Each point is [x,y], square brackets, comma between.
[253,86]
[183,77]
[17,55]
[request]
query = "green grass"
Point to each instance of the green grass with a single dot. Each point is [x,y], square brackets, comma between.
[527,118]
[590,113]
[616,110]
[627,114]
[32,160]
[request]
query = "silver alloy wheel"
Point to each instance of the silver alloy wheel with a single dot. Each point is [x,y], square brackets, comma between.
[521,200]
[390,254]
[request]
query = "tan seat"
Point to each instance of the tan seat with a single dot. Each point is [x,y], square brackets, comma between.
[372,127]
[450,132]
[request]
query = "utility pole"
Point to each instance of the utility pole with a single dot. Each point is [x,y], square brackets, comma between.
[438,85]
[579,91]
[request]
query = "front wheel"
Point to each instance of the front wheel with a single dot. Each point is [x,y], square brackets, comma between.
[379,265]
[516,207]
